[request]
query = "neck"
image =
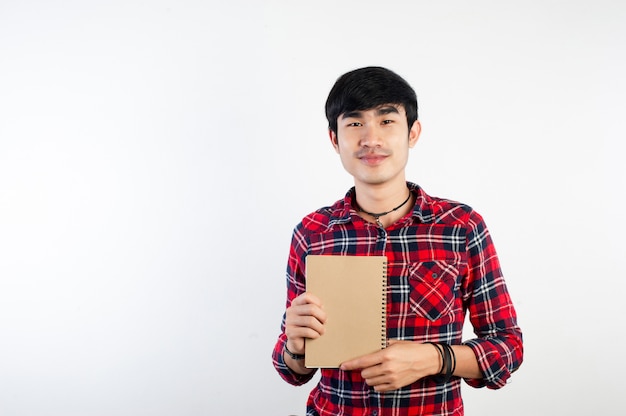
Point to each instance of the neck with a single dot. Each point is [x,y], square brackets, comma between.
[376,200]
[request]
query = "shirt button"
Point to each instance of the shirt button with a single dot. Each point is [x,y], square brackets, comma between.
[375,413]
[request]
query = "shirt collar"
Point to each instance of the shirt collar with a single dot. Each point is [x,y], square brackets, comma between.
[348,211]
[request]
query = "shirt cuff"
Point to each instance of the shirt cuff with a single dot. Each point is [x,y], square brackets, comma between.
[283,369]
[494,369]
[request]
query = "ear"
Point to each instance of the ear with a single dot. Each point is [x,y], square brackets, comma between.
[334,140]
[414,133]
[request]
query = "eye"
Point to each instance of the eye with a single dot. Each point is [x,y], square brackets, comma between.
[387,121]
[354,124]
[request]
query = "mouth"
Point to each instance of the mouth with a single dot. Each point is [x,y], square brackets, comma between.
[372,158]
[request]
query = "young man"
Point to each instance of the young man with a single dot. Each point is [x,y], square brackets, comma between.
[441,264]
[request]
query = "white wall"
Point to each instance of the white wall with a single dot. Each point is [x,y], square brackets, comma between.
[155,156]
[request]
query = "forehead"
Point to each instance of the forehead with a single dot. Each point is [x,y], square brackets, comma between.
[380,110]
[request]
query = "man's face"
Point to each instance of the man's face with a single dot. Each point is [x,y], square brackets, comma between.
[374,144]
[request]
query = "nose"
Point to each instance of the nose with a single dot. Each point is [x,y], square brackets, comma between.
[371,136]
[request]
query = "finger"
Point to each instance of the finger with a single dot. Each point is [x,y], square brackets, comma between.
[364,361]
[307,304]
[380,382]
[381,388]
[301,312]
[373,374]
[376,381]
[294,333]
[307,298]
[305,322]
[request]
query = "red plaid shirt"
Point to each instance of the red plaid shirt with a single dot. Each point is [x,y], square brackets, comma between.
[441,264]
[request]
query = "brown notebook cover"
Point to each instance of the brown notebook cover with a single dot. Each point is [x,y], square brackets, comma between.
[353,293]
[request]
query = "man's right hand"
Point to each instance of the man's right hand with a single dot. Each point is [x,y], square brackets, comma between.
[304,319]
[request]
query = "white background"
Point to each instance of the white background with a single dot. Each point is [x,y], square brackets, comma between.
[156,155]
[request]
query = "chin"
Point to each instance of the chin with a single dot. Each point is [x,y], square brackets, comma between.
[374,180]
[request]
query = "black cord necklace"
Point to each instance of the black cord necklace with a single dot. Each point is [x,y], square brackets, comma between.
[378,215]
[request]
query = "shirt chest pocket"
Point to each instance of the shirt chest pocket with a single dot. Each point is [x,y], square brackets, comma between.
[432,286]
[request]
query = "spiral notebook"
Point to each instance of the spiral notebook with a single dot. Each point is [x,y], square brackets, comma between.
[353,292]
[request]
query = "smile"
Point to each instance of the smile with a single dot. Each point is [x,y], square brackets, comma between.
[373,159]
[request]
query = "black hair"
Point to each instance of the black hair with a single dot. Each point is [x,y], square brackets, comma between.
[368,88]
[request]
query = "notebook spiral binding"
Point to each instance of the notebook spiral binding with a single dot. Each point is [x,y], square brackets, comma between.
[383,324]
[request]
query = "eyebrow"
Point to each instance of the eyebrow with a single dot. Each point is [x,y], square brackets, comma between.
[387,110]
[381,111]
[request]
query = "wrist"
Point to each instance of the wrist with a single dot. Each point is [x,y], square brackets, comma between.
[295,347]
[439,365]
[295,361]
[293,355]
[447,360]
